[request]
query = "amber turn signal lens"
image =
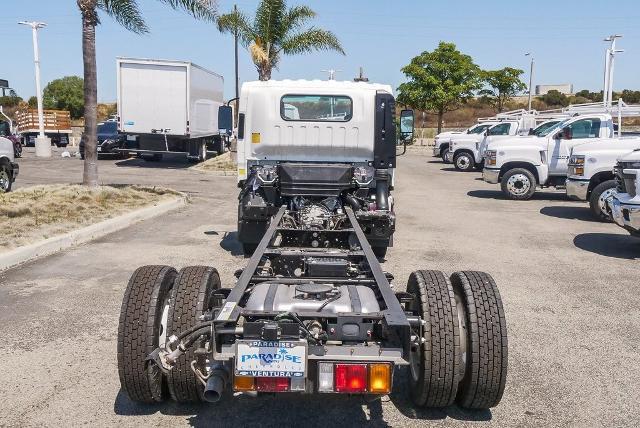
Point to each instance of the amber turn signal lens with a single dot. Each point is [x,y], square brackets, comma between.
[380,378]
[243,383]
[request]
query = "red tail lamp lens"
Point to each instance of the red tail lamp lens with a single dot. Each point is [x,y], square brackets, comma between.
[272,384]
[351,378]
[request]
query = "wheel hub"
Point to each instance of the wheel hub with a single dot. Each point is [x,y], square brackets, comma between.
[518,184]
[4,181]
[463,162]
[602,201]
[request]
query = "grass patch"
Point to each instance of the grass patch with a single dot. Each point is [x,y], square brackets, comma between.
[40,212]
[224,162]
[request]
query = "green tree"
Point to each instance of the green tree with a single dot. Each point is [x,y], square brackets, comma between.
[33,102]
[10,101]
[502,86]
[555,98]
[439,81]
[277,30]
[65,94]
[127,14]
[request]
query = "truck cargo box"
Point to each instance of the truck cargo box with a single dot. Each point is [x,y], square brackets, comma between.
[168,97]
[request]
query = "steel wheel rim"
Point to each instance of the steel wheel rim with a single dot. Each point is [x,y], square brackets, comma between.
[518,184]
[4,181]
[162,331]
[463,162]
[602,201]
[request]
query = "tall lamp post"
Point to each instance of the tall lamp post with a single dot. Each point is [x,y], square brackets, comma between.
[530,77]
[610,56]
[43,144]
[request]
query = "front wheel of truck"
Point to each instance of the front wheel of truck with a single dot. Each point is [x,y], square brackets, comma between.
[435,357]
[518,184]
[598,200]
[141,329]
[191,297]
[464,162]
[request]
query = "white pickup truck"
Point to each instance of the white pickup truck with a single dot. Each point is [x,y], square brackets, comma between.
[521,164]
[443,140]
[625,203]
[590,175]
[467,153]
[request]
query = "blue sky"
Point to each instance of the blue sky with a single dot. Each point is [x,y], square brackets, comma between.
[382,36]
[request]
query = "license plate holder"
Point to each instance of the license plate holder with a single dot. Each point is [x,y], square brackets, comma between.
[262,358]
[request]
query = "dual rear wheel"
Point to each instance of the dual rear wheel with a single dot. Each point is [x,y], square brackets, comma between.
[460,353]
[159,302]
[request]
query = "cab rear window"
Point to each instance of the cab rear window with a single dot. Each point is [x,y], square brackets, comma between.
[316,108]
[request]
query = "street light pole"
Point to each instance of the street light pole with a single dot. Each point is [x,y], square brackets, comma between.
[43,144]
[608,69]
[530,78]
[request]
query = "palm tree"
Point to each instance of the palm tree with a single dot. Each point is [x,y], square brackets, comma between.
[127,14]
[276,30]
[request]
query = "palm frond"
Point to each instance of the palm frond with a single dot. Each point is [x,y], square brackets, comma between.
[126,13]
[205,10]
[297,16]
[310,40]
[269,15]
[229,22]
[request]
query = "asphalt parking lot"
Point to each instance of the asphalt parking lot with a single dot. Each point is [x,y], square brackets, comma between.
[569,286]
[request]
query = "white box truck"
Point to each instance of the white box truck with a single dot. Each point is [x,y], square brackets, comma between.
[169,107]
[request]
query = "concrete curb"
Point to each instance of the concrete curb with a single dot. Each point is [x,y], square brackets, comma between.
[57,243]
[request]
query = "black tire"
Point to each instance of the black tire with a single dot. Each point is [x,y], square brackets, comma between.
[435,364]
[443,150]
[190,298]
[140,331]
[6,178]
[485,371]
[464,162]
[249,249]
[596,200]
[518,184]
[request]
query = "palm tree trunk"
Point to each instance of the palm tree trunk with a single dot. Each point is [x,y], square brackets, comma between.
[264,72]
[89,22]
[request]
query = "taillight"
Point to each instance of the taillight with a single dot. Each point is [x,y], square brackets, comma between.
[272,384]
[244,383]
[380,378]
[350,378]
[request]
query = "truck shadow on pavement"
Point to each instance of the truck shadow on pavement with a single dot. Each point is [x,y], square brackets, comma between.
[497,194]
[170,163]
[582,213]
[300,410]
[609,245]
[231,244]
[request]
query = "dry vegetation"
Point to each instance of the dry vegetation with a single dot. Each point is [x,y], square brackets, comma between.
[223,163]
[40,212]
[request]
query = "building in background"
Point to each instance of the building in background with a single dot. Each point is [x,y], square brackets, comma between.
[5,90]
[566,89]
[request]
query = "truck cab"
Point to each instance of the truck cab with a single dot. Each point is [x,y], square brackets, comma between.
[443,140]
[590,174]
[316,145]
[8,166]
[522,164]
[625,203]
[464,151]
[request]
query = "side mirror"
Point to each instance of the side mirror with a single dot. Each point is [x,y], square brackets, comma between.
[531,131]
[406,125]
[225,120]
[567,133]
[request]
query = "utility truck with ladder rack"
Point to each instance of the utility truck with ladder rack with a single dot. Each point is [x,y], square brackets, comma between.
[313,311]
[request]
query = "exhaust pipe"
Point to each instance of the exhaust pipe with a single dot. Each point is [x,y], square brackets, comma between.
[382,189]
[214,388]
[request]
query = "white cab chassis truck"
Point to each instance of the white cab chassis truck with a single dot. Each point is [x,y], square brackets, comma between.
[169,107]
[465,151]
[8,167]
[521,164]
[590,174]
[443,140]
[313,312]
[625,203]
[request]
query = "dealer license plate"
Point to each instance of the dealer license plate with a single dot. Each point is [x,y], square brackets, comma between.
[259,358]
